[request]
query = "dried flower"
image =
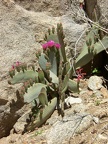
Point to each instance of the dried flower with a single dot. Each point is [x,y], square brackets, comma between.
[13,67]
[79,73]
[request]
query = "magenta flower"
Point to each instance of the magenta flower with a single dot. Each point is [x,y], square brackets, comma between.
[79,73]
[13,67]
[57,45]
[45,46]
[17,63]
[51,43]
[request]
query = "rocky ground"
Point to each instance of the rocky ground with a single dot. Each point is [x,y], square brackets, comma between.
[22,27]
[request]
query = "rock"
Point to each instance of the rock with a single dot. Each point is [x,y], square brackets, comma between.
[18,28]
[13,138]
[101,113]
[19,126]
[21,32]
[95,83]
[72,31]
[8,116]
[96,120]
[97,93]
[75,108]
[104,12]
[100,136]
[70,100]
[64,130]
[104,92]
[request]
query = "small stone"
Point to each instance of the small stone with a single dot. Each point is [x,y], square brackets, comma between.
[96,120]
[95,83]
[97,93]
[65,129]
[100,136]
[104,92]
[21,122]
[71,100]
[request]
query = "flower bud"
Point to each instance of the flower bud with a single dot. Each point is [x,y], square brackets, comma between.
[49,31]
[37,55]
[12,72]
[23,67]
[31,82]
[90,41]
[18,68]
[53,29]
[45,38]
[23,90]
[95,52]
[39,52]
[87,42]
[92,48]
[58,26]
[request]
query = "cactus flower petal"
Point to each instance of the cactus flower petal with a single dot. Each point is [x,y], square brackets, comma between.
[51,43]
[45,46]
[17,63]
[13,67]
[57,45]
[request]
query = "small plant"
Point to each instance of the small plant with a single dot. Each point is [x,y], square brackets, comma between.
[96,71]
[46,87]
[97,102]
[38,132]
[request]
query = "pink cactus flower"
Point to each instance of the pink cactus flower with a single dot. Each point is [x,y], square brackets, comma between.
[57,45]
[51,43]
[17,63]
[13,67]
[45,46]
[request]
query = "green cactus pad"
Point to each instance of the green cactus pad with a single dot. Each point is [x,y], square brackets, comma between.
[33,92]
[99,47]
[43,97]
[42,62]
[54,77]
[41,76]
[86,55]
[53,37]
[47,111]
[53,61]
[21,77]
[73,86]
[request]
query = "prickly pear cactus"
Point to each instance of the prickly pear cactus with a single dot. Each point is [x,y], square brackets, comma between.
[48,84]
[92,47]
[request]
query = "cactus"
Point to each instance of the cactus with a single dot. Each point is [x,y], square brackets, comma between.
[91,47]
[47,85]
[33,92]
[21,77]
[47,111]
